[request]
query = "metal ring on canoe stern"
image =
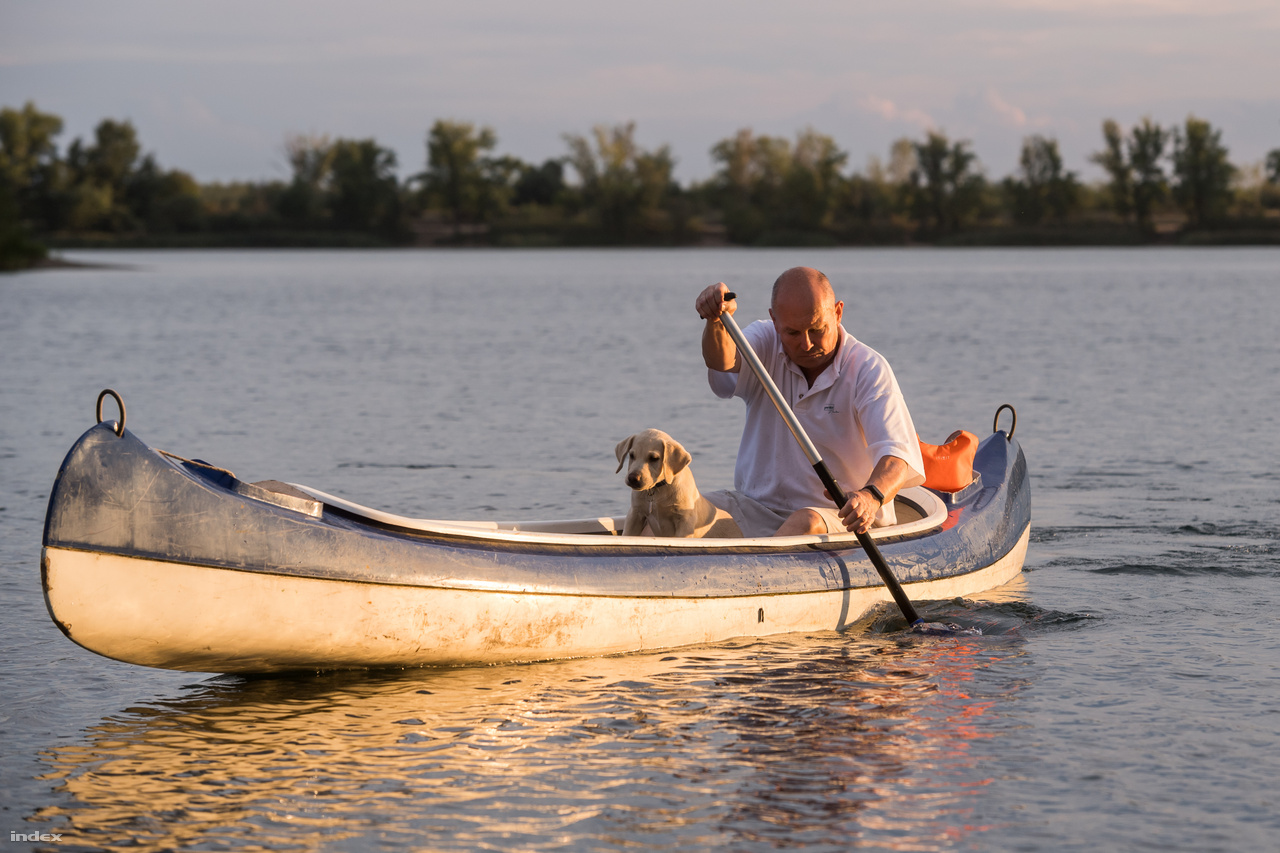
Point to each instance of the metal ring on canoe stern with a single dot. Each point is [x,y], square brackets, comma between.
[995,424]
[119,430]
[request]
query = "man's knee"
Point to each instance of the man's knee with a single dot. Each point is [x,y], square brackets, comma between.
[803,522]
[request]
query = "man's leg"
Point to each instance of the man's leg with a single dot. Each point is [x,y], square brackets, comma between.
[803,522]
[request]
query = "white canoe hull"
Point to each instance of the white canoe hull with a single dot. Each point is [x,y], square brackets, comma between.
[166,562]
[206,619]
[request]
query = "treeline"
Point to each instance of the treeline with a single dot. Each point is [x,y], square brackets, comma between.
[1172,184]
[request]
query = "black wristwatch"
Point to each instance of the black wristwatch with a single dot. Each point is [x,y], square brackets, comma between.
[875,493]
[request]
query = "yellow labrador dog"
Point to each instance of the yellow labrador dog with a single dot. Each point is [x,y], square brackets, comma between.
[664,495]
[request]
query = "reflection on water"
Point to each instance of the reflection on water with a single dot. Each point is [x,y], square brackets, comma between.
[818,739]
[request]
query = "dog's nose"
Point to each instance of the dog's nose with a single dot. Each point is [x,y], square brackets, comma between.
[633,480]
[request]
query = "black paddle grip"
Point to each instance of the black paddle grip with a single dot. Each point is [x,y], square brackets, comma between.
[829,483]
[869,547]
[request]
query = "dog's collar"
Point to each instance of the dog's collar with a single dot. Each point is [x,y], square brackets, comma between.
[656,486]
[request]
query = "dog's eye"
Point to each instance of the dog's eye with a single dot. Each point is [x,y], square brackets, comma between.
[654,457]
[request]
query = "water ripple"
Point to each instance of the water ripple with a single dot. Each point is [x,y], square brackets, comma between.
[807,739]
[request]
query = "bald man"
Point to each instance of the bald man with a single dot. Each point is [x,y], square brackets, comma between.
[844,394]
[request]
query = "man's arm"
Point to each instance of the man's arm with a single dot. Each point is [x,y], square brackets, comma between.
[718,350]
[888,476]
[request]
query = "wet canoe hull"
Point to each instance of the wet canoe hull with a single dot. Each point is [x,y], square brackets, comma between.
[167,563]
[205,619]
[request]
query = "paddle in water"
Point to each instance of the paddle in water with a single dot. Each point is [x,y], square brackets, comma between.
[836,494]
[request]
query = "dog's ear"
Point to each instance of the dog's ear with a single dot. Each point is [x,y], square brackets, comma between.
[622,449]
[674,459]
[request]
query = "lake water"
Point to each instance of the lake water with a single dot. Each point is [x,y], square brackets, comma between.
[1125,696]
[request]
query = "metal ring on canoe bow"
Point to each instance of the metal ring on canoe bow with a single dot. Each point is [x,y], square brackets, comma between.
[119,430]
[995,424]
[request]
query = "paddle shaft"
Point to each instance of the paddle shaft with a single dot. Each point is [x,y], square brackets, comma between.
[815,459]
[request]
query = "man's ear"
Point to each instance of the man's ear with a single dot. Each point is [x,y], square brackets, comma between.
[623,448]
[674,460]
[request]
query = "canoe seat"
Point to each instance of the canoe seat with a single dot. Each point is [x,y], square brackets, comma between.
[283,489]
[280,494]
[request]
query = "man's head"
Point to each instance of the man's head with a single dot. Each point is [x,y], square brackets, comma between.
[807,317]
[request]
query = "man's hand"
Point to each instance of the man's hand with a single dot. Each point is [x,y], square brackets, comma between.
[860,512]
[718,350]
[711,302]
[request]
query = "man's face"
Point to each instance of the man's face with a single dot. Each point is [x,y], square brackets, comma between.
[810,332]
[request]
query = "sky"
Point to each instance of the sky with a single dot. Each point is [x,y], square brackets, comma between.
[215,88]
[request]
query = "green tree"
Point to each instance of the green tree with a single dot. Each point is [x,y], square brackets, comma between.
[813,184]
[29,174]
[499,176]
[1201,171]
[1112,158]
[773,189]
[17,248]
[1147,142]
[871,195]
[243,206]
[902,161]
[27,142]
[1042,190]
[868,198]
[540,185]
[164,201]
[885,191]
[113,156]
[750,182]
[347,184]
[459,177]
[311,160]
[625,185]
[29,162]
[99,178]
[945,185]
[363,192]
[1269,192]
[1133,162]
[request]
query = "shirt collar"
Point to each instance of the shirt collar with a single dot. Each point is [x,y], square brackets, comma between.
[828,377]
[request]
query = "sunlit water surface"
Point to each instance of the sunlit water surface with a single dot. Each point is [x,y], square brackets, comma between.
[1124,696]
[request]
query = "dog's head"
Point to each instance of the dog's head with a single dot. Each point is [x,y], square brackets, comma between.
[651,457]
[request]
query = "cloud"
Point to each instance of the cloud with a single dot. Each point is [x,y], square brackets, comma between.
[1011,115]
[988,70]
[1006,111]
[1110,9]
[890,111]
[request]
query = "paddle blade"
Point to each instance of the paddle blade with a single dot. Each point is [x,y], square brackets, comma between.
[944,629]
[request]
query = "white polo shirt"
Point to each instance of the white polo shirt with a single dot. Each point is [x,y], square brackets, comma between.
[854,414]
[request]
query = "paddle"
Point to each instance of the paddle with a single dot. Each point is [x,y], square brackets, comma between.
[824,474]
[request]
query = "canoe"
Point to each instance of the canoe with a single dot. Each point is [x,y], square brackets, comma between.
[169,562]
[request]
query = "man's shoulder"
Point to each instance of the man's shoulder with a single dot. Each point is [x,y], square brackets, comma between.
[862,365]
[761,329]
[763,338]
[854,354]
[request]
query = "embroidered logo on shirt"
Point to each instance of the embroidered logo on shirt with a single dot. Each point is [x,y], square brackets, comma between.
[830,410]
